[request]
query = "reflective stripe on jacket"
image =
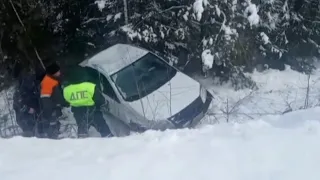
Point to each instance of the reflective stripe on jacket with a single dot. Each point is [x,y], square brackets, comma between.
[47,86]
[80,95]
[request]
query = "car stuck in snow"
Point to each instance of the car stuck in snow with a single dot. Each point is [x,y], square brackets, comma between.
[145,91]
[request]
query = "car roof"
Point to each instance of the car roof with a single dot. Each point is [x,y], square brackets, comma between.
[115,57]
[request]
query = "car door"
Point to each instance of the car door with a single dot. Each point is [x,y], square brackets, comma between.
[107,91]
[117,123]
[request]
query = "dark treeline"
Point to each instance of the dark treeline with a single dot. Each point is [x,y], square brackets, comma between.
[241,34]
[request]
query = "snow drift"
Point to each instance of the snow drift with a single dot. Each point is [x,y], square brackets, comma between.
[276,147]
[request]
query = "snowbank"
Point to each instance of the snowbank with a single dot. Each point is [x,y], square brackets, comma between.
[279,92]
[277,147]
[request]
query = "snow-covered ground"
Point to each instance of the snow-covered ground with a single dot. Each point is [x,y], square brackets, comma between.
[279,92]
[263,141]
[282,147]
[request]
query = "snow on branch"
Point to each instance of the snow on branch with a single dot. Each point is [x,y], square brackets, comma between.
[207,60]
[251,13]
[198,8]
[101,4]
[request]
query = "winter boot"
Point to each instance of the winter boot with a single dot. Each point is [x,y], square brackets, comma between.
[82,136]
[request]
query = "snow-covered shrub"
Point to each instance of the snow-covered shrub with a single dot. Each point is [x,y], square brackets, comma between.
[241,35]
[8,124]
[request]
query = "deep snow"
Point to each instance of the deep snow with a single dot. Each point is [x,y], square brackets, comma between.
[279,92]
[276,147]
[258,143]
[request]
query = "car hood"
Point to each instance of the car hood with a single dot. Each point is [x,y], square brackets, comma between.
[159,105]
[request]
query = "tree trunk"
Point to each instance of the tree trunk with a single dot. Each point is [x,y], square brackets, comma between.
[125,11]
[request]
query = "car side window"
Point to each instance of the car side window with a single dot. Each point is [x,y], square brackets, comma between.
[99,78]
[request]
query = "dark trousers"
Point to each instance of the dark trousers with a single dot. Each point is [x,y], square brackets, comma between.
[47,129]
[33,125]
[29,124]
[90,116]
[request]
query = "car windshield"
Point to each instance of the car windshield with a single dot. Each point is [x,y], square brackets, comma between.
[142,77]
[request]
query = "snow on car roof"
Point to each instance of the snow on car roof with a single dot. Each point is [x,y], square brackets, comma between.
[117,57]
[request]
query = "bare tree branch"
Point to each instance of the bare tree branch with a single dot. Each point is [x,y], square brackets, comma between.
[23,26]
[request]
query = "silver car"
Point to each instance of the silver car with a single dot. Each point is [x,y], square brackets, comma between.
[146,92]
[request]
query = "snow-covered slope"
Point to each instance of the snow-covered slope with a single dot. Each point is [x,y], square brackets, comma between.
[277,147]
[279,92]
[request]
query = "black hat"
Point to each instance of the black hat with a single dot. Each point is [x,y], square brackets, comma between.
[52,68]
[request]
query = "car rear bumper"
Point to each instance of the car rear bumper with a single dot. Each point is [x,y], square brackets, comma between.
[187,118]
[199,117]
[192,114]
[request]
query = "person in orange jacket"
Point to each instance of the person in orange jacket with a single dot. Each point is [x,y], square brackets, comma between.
[51,98]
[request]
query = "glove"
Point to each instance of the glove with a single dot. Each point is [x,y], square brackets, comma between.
[31,111]
[56,113]
[105,107]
